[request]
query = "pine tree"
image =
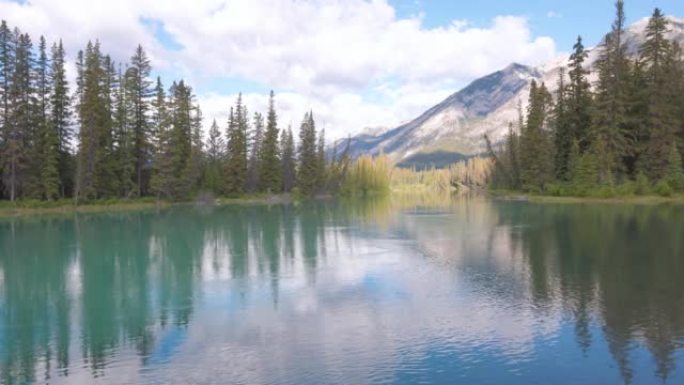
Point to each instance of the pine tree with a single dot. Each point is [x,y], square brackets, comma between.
[270,176]
[49,142]
[579,96]
[675,169]
[139,92]
[236,162]
[573,160]
[180,142]
[321,164]
[192,175]
[307,168]
[610,122]
[95,171]
[288,160]
[161,163]
[215,155]
[123,139]
[20,129]
[60,118]
[661,117]
[7,51]
[513,158]
[536,149]
[255,153]
[108,185]
[563,135]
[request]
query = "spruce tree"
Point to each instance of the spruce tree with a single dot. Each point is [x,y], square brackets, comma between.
[288,160]
[139,92]
[573,160]
[610,122]
[254,162]
[321,164]
[7,51]
[95,171]
[192,175]
[180,142]
[48,140]
[60,118]
[563,135]
[270,176]
[307,167]
[236,162]
[675,169]
[108,185]
[513,158]
[661,117]
[536,149]
[215,155]
[161,159]
[579,96]
[21,130]
[123,138]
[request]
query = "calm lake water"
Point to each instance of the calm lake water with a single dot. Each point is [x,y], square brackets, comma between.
[468,291]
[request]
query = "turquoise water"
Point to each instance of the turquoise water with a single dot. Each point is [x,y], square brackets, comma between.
[466,291]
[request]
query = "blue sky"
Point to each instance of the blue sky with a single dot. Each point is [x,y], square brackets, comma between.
[563,20]
[356,63]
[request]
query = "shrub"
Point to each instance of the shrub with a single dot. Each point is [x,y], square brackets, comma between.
[555,190]
[602,192]
[628,188]
[677,183]
[663,189]
[642,185]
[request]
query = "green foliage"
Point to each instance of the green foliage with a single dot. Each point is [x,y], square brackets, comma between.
[535,145]
[628,188]
[236,161]
[254,162]
[663,188]
[368,175]
[288,160]
[270,170]
[214,166]
[675,170]
[643,186]
[610,140]
[308,181]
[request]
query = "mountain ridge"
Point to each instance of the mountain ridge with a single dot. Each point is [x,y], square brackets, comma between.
[487,105]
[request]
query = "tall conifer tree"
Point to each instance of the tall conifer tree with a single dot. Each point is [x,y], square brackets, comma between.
[270,175]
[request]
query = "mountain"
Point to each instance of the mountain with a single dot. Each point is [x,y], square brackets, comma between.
[454,128]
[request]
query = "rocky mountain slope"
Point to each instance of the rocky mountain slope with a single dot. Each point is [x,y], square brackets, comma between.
[488,105]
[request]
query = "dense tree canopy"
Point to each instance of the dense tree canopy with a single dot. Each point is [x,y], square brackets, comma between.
[624,131]
[122,134]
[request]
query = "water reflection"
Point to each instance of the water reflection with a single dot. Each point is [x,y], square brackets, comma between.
[383,291]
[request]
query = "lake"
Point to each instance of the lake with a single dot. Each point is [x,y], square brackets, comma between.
[393,291]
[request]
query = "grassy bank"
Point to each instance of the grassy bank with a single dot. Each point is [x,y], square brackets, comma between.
[632,199]
[35,207]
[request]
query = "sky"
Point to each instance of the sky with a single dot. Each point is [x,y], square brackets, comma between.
[355,63]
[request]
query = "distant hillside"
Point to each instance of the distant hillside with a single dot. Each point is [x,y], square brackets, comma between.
[438,159]
[454,128]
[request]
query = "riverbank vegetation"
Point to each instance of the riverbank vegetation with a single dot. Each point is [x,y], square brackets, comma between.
[620,137]
[468,175]
[117,134]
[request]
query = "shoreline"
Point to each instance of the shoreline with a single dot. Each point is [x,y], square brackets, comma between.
[631,199]
[144,204]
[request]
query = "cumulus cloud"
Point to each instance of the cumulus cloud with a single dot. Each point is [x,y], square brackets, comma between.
[354,62]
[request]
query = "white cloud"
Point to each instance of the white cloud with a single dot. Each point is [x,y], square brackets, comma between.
[354,62]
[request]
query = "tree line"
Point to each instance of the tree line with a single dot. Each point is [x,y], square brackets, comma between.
[623,132]
[117,133]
